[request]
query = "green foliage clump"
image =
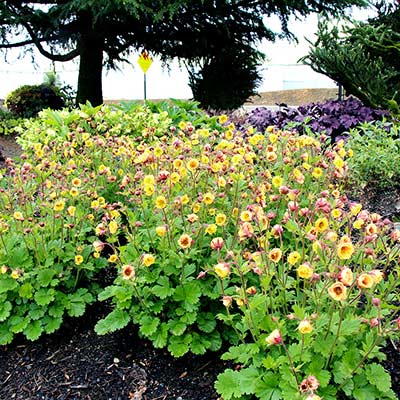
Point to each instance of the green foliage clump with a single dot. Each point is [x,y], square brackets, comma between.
[363,57]
[9,124]
[28,100]
[376,154]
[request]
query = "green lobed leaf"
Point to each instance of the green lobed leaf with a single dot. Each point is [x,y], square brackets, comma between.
[33,330]
[148,325]
[26,291]
[206,322]
[44,296]
[6,335]
[7,284]
[45,276]
[378,377]
[176,327]
[228,384]
[5,310]
[117,319]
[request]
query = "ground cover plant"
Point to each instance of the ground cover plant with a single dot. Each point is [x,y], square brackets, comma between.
[212,237]
[332,117]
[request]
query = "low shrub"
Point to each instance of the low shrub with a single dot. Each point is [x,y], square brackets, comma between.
[28,100]
[376,159]
[333,117]
[9,125]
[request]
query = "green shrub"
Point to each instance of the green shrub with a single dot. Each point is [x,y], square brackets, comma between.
[376,154]
[9,125]
[28,100]
[226,81]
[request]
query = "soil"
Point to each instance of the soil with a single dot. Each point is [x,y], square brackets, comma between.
[75,363]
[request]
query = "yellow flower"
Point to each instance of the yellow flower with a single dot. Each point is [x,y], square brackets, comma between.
[317,172]
[178,163]
[211,229]
[305,327]
[222,270]
[346,276]
[192,164]
[76,182]
[208,198]
[185,241]
[15,274]
[74,192]
[161,230]
[293,257]
[336,213]
[273,137]
[149,190]
[18,216]
[78,259]
[71,210]
[148,259]
[196,207]
[305,271]
[59,205]
[4,269]
[321,224]
[338,291]
[220,219]
[95,204]
[113,258]
[113,227]
[355,208]
[338,162]
[371,229]
[246,216]
[277,181]
[148,180]
[358,223]
[345,250]
[185,199]
[161,202]
[365,281]
[275,255]
[222,119]
[377,275]
[182,125]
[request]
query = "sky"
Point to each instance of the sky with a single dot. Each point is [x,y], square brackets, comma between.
[279,72]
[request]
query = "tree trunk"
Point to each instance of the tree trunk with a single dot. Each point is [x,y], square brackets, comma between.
[90,67]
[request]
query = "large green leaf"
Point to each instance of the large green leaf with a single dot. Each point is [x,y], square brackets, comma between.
[117,319]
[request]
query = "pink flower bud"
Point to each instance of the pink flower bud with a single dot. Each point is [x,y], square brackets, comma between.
[201,275]
[376,302]
[374,322]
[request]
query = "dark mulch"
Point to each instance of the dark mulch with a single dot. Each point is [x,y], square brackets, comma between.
[75,363]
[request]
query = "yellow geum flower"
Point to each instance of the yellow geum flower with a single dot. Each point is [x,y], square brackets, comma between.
[113,227]
[192,164]
[59,205]
[78,259]
[317,172]
[18,216]
[185,241]
[148,259]
[208,198]
[113,258]
[293,258]
[305,271]
[220,219]
[71,210]
[161,202]
[275,255]
[161,230]
[338,291]
[222,119]
[211,229]
[344,250]
[246,216]
[222,270]
[305,327]
[149,180]
[277,181]
[321,224]
[76,182]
